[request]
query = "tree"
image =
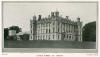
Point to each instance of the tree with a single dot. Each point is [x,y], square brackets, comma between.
[6,33]
[15,28]
[25,37]
[89,32]
[12,37]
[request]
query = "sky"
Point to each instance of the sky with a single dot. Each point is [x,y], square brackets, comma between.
[19,14]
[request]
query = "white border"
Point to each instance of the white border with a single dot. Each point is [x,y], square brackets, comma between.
[36,54]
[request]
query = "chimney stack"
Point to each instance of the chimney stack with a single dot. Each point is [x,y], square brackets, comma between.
[57,13]
[34,17]
[52,14]
[67,17]
[78,19]
[39,18]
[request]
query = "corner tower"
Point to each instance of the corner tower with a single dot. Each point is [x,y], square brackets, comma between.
[33,28]
[79,30]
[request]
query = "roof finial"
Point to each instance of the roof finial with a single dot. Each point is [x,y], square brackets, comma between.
[78,19]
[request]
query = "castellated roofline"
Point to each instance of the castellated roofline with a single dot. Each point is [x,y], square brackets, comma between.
[54,15]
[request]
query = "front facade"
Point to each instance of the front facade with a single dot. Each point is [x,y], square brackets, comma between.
[55,27]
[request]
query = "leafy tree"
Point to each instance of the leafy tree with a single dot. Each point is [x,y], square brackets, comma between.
[6,33]
[15,28]
[25,37]
[89,32]
[12,37]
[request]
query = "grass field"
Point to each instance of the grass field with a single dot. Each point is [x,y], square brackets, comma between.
[50,44]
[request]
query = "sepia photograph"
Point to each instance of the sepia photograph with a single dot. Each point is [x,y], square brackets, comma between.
[49,26]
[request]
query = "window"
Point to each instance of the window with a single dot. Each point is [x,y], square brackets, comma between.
[58,36]
[49,30]
[53,29]
[46,25]
[31,26]
[74,28]
[53,36]
[49,24]
[70,36]
[31,37]
[63,27]
[31,31]
[43,30]
[58,24]
[43,36]
[46,30]
[58,29]
[53,23]
[46,37]
[49,37]
[39,26]
[67,36]
[38,37]
[69,28]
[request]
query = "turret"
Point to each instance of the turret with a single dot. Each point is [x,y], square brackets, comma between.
[79,24]
[33,28]
[57,14]
[78,19]
[34,17]
[67,17]
[52,14]
[39,18]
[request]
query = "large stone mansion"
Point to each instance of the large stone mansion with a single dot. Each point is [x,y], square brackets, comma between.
[55,27]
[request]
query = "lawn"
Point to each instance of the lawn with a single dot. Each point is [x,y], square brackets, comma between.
[50,44]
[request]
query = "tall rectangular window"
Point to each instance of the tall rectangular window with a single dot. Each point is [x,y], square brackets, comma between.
[43,36]
[66,28]
[46,30]
[53,29]
[31,31]
[58,29]
[49,37]
[53,23]
[53,37]
[49,30]
[63,27]
[58,37]
[31,26]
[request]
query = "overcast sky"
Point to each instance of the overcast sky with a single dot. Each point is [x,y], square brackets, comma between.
[19,14]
